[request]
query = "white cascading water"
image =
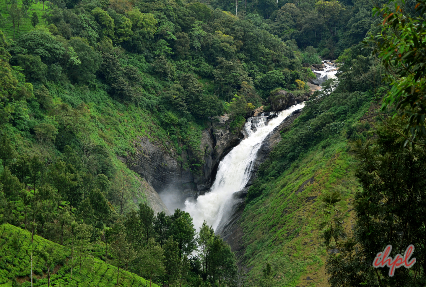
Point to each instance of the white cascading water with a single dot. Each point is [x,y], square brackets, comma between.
[328,72]
[233,172]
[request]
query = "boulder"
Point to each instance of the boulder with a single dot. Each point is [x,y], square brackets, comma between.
[282,100]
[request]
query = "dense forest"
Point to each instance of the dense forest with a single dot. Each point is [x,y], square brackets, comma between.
[82,82]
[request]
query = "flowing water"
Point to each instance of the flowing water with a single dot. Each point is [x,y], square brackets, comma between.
[328,72]
[233,172]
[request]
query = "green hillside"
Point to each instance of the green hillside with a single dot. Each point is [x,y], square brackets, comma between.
[15,266]
[90,88]
[285,210]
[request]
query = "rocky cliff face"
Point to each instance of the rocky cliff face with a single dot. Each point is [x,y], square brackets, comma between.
[282,100]
[217,141]
[162,170]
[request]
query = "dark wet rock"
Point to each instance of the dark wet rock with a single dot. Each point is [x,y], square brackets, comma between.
[318,66]
[231,231]
[257,112]
[282,100]
[162,169]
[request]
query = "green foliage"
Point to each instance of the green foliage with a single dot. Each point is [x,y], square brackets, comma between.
[402,51]
[106,74]
[390,174]
[41,43]
[144,23]
[53,258]
[172,262]
[105,21]
[34,68]
[310,163]
[90,61]
[34,19]
[310,56]
[217,260]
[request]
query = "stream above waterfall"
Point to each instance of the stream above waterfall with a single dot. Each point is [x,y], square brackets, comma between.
[234,172]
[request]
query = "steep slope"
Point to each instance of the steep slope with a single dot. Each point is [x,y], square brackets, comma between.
[15,250]
[284,217]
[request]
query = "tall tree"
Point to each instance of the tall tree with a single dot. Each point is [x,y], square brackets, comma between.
[183,231]
[7,152]
[36,173]
[162,227]
[15,15]
[146,217]
[204,241]
[48,254]
[151,263]
[388,210]
[121,249]
[172,262]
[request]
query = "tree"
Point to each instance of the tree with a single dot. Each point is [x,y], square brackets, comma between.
[228,77]
[162,227]
[100,205]
[146,217]
[204,241]
[36,173]
[388,212]
[217,260]
[221,263]
[172,262]
[183,231]
[122,27]
[105,21]
[34,19]
[134,230]
[11,185]
[41,43]
[332,225]
[7,152]
[107,237]
[48,254]
[403,52]
[120,6]
[151,261]
[26,4]
[65,219]
[34,68]
[144,23]
[43,3]
[3,206]
[121,249]
[15,14]
[89,58]
[82,241]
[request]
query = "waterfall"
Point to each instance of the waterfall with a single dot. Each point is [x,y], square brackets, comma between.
[328,71]
[233,172]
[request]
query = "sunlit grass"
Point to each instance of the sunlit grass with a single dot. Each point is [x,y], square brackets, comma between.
[25,25]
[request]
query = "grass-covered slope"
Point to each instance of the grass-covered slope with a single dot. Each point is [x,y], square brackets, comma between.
[285,216]
[15,250]
[283,227]
[25,20]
